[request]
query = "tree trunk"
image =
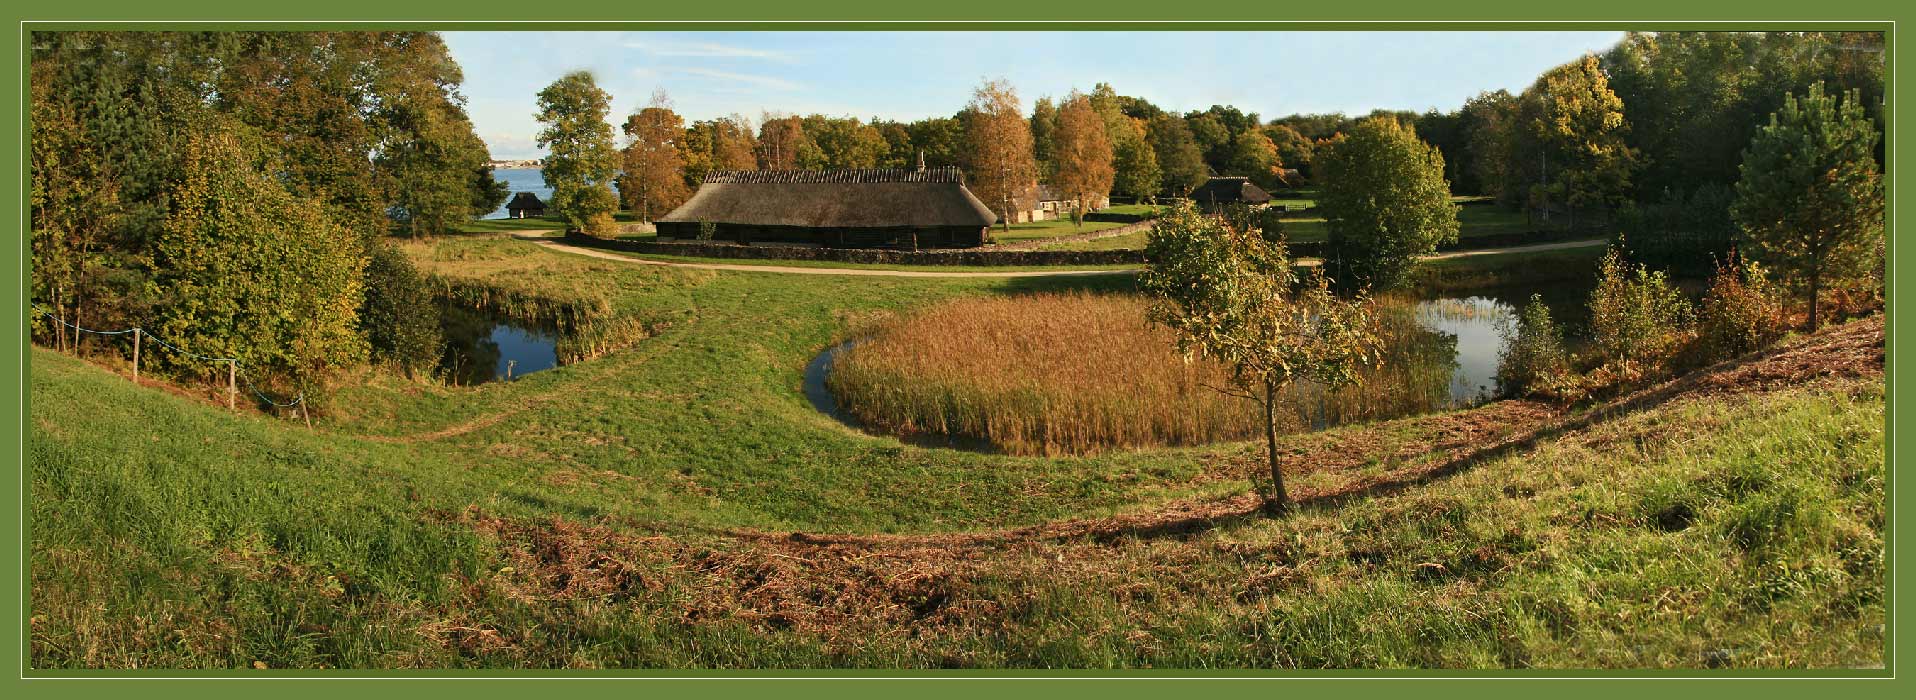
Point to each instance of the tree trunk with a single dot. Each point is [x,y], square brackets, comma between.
[1279,500]
[1816,289]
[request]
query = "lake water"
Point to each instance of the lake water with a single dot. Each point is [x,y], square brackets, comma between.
[482,348]
[520,180]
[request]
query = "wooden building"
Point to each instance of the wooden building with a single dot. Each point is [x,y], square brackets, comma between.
[525,205]
[1220,191]
[868,208]
[1049,204]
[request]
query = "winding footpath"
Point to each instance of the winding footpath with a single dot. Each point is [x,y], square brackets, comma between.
[550,244]
[790,270]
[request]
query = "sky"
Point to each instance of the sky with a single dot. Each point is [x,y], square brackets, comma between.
[913,75]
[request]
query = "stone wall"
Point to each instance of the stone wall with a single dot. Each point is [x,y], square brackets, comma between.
[982,257]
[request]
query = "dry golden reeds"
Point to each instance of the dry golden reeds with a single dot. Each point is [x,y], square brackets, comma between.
[1078,373]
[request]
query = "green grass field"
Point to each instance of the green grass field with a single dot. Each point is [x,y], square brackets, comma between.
[638,510]
[1047,229]
[1472,222]
[537,223]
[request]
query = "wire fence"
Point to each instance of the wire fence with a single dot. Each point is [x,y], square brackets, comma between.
[234,363]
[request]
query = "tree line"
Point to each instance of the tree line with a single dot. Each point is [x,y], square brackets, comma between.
[1088,145]
[231,191]
[1646,138]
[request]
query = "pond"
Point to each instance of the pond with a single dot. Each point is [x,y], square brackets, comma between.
[1443,354]
[1478,324]
[482,347]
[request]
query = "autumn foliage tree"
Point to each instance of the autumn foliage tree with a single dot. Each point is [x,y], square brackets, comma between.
[1001,167]
[1577,122]
[653,181]
[717,144]
[1811,197]
[781,139]
[1231,294]
[582,160]
[1081,152]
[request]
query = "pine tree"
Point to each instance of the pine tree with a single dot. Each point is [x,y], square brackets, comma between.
[1811,197]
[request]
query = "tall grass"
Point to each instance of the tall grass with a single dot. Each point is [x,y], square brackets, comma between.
[1078,373]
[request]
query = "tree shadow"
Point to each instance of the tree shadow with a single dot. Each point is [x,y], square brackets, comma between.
[1246,509]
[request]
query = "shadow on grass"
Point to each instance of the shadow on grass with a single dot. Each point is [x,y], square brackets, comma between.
[1852,351]
[1849,352]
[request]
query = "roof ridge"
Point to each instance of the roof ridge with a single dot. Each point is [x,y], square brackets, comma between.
[944,174]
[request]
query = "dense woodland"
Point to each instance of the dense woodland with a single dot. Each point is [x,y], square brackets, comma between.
[230,190]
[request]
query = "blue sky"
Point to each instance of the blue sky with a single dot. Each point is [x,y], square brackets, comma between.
[912,75]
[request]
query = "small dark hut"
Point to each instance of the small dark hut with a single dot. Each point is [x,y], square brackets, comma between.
[525,205]
[1220,191]
[868,208]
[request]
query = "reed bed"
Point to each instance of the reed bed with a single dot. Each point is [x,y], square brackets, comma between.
[1079,373]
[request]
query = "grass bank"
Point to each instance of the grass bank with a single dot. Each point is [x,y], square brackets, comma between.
[638,510]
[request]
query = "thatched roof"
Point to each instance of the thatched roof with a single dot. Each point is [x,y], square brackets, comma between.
[526,200]
[1225,190]
[869,198]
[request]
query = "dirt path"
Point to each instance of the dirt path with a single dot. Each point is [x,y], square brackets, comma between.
[1534,248]
[783,269]
[791,270]
[1537,248]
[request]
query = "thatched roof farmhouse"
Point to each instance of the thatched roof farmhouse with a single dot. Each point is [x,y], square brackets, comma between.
[877,207]
[1219,191]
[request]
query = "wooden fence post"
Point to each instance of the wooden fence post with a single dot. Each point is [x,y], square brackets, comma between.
[136,356]
[232,384]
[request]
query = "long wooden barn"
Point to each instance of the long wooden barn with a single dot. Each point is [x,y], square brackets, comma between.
[854,208]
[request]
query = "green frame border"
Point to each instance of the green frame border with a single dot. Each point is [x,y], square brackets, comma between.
[871,15]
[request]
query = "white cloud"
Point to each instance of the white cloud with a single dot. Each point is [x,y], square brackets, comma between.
[702,49]
[764,81]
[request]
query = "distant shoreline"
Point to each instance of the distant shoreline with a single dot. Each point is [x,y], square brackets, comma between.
[514,164]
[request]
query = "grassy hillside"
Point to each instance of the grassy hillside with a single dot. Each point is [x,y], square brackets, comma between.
[642,509]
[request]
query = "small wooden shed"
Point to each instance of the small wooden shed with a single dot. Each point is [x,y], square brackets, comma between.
[525,205]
